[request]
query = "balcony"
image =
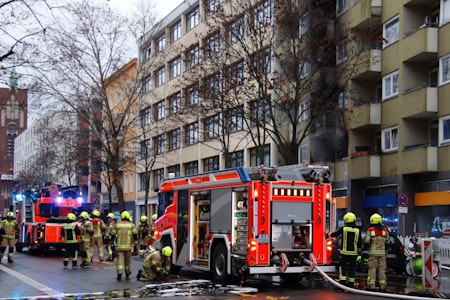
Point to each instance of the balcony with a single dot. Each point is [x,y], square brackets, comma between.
[363,165]
[420,45]
[365,116]
[444,157]
[418,158]
[365,13]
[367,64]
[420,102]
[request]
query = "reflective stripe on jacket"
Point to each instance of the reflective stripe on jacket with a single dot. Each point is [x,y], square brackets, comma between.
[125,232]
[377,237]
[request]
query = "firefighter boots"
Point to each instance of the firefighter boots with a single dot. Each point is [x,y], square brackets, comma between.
[139,274]
[119,277]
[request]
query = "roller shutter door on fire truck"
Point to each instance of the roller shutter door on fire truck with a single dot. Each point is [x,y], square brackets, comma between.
[221,210]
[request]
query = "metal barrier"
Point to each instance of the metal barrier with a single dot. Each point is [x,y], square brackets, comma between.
[441,246]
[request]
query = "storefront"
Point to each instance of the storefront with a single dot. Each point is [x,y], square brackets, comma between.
[386,206]
[433,213]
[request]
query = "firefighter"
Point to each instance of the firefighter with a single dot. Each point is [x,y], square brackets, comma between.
[152,230]
[156,265]
[144,234]
[126,235]
[71,233]
[9,229]
[87,230]
[351,247]
[109,239]
[377,237]
[97,238]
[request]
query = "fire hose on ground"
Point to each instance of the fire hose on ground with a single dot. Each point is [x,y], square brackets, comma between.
[313,265]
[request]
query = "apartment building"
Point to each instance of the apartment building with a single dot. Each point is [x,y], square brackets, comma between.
[377,112]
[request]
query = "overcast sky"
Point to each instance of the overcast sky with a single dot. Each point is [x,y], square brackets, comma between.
[163,7]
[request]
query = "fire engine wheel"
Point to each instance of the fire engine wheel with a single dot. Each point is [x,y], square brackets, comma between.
[219,264]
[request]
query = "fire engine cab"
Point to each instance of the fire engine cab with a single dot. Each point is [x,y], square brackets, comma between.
[243,222]
[41,220]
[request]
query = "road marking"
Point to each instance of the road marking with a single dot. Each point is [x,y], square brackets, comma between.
[28,280]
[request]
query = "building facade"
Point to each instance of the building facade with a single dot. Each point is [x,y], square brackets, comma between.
[377,112]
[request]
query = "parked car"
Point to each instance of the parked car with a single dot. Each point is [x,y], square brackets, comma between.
[395,257]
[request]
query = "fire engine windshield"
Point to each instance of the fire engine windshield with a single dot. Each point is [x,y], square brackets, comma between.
[164,200]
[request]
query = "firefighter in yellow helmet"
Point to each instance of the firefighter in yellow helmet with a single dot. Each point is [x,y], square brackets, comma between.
[144,235]
[126,235]
[9,230]
[87,230]
[351,247]
[376,238]
[97,238]
[71,233]
[109,239]
[157,264]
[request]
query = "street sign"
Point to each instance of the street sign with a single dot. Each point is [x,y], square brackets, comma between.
[402,210]
[427,264]
[402,200]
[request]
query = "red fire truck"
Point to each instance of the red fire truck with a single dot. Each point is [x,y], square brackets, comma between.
[41,220]
[244,222]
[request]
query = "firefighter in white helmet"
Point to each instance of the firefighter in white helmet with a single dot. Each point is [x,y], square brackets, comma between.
[157,264]
[9,230]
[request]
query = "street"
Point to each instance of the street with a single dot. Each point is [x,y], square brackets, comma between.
[43,277]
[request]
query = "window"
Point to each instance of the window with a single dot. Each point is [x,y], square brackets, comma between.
[212,6]
[146,85]
[175,139]
[160,144]
[304,25]
[262,15]
[192,96]
[390,85]
[193,57]
[175,68]
[255,160]
[175,103]
[444,130]
[389,139]
[303,155]
[445,11]
[235,159]
[212,127]
[303,111]
[305,69]
[235,30]
[260,63]
[341,6]
[160,43]
[146,147]
[146,116]
[160,110]
[212,87]
[444,67]
[342,99]
[212,45]
[390,32]
[211,164]
[160,76]
[158,176]
[191,134]
[193,18]
[235,119]
[144,180]
[176,31]
[191,168]
[341,51]
[235,75]
[147,51]
[174,170]
[260,112]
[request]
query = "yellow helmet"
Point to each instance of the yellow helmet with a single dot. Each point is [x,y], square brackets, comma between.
[143,218]
[84,215]
[71,217]
[376,219]
[125,215]
[166,251]
[10,214]
[349,217]
[154,217]
[96,213]
[111,215]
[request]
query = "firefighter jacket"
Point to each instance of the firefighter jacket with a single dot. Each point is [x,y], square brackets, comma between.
[109,229]
[377,237]
[9,229]
[99,227]
[70,232]
[144,230]
[351,239]
[87,230]
[126,235]
[157,262]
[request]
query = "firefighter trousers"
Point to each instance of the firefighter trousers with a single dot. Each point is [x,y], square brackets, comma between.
[96,242]
[123,262]
[10,243]
[377,263]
